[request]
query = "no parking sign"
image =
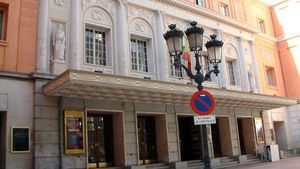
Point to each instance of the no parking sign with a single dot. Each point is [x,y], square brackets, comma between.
[202,102]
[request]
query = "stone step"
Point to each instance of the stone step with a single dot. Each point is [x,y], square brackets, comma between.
[157,166]
[195,164]
[227,165]
[227,160]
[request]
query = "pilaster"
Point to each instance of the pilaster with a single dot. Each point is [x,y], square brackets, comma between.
[223,81]
[42,28]
[243,67]
[123,56]
[255,66]
[74,35]
[162,55]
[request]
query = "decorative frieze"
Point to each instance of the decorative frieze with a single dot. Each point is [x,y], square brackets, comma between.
[135,12]
[59,4]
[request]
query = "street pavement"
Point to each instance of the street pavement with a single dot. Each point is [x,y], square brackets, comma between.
[290,163]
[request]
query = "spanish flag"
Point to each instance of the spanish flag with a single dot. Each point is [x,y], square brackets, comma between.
[186,56]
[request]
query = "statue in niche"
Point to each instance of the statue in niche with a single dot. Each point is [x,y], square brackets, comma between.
[59,43]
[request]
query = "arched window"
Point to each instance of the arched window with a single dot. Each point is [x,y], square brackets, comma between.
[141,49]
[98,53]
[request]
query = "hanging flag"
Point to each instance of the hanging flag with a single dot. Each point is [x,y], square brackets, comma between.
[186,56]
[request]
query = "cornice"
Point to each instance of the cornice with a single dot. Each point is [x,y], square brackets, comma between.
[266,37]
[210,14]
[16,75]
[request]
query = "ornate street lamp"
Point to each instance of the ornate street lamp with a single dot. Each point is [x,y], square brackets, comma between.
[195,38]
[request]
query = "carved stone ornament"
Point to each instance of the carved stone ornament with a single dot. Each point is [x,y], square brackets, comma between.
[96,15]
[59,3]
[99,16]
[230,51]
[142,13]
[141,27]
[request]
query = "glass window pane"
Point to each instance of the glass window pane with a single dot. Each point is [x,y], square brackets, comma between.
[138,55]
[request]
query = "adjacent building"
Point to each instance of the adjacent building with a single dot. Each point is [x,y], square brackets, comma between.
[18,22]
[287,38]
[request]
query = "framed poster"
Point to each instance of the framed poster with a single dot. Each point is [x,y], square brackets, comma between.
[74,130]
[259,130]
[20,139]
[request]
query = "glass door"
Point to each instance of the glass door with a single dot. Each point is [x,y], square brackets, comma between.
[100,140]
[147,139]
[190,139]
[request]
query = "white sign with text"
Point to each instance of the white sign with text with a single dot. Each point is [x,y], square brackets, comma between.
[199,120]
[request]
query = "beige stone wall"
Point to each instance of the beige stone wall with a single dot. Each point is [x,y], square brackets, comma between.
[17,103]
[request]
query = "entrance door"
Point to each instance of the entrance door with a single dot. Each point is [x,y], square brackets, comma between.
[100,140]
[280,134]
[216,139]
[190,139]
[147,139]
[246,135]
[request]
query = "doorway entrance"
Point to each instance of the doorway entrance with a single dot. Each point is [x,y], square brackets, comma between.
[280,134]
[147,139]
[246,135]
[100,139]
[190,139]
[2,139]
[221,137]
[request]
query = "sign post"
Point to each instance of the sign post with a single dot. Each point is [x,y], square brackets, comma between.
[203,103]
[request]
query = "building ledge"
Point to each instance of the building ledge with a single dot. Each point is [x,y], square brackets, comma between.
[91,85]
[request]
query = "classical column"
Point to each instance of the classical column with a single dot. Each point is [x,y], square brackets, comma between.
[162,55]
[123,57]
[74,35]
[223,81]
[245,78]
[42,29]
[255,66]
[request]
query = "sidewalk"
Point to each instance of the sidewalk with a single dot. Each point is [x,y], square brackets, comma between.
[290,163]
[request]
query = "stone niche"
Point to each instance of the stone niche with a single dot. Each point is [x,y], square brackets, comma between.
[58,46]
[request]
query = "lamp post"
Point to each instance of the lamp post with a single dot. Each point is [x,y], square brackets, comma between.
[174,39]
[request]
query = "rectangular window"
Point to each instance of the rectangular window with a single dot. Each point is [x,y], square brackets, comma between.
[2,24]
[261,25]
[224,9]
[271,78]
[138,50]
[175,71]
[95,47]
[230,72]
[3,20]
[201,3]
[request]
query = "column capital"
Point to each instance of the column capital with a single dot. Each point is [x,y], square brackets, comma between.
[240,38]
[123,2]
[160,13]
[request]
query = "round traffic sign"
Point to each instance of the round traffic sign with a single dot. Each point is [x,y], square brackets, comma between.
[202,102]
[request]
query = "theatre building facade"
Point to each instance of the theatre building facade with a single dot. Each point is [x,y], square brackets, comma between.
[107,95]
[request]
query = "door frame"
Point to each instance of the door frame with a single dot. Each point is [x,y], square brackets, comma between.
[110,112]
[177,132]
[145,113]
[253,129]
